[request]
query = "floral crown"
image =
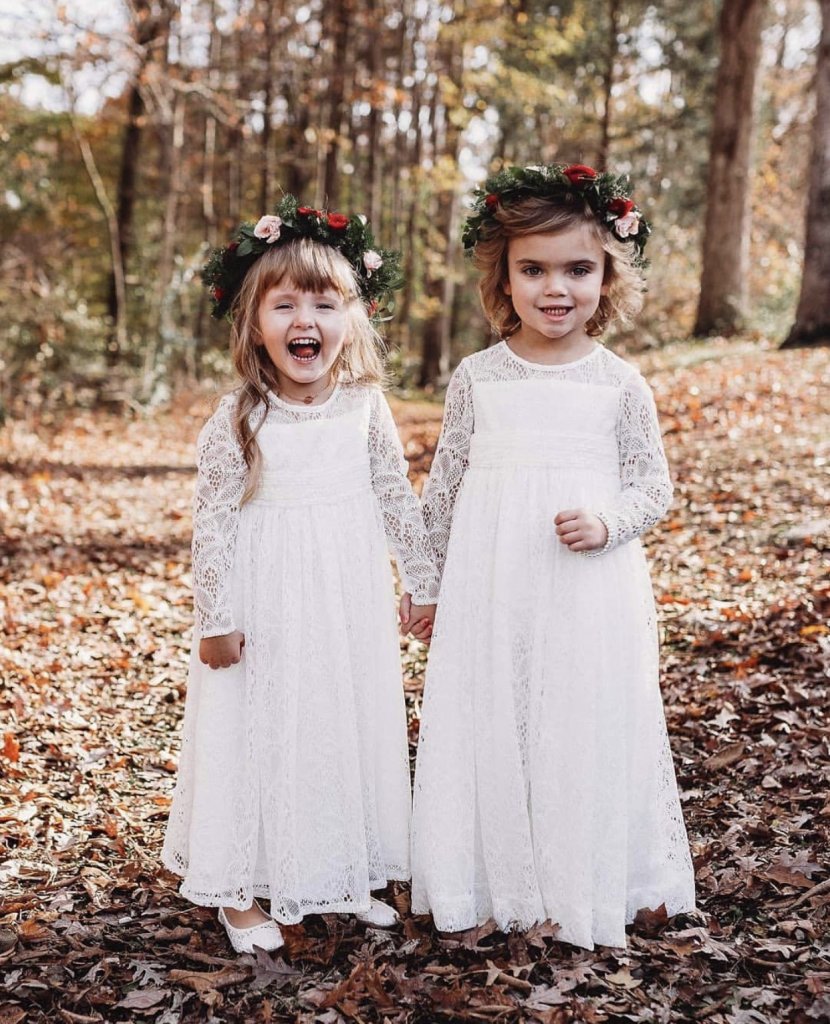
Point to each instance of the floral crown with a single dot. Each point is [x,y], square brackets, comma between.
[606,194]
[378,271]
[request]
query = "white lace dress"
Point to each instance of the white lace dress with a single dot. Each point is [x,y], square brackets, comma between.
[293,779]
[544,786]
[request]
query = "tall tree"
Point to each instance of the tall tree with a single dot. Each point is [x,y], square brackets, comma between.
[812,318]
[340,18]
[608,83]
[151,24]
[723,284]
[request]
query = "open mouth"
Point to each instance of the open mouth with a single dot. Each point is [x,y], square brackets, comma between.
[556,310]
[304,350]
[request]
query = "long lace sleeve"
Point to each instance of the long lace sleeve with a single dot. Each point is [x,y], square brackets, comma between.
[646,484]
[220,484]
[402,516]
[450,463]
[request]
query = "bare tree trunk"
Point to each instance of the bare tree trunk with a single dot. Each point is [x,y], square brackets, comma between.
[608,84]
[149,29]
[435,341]
[374,13]
[723,285]
[412,281]
[812,318]
[295,173]
[175,145]
[267,158]
[341,18]
[209,167]
[111,218]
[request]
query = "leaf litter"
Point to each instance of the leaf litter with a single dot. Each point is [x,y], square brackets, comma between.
[96,613]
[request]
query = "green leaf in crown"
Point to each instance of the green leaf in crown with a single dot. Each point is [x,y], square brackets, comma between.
[608,195]
[378,271]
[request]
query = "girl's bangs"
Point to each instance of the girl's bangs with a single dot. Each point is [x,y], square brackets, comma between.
[309,266]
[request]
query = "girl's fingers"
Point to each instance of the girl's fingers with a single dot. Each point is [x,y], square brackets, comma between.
[572,526]
[569,536]
[564,516]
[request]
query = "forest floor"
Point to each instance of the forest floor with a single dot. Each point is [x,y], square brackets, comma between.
[96,610]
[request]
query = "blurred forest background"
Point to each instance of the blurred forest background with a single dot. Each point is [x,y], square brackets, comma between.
[135,136]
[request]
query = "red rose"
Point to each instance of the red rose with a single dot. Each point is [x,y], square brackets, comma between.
[233,246]
[578,174]
[620,207]
[305,211]
[491,201]
[337,221]
[218,294]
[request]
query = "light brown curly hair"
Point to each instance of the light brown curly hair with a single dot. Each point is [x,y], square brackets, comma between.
[624,282]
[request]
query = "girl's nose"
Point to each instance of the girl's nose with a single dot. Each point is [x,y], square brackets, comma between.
[303,318]
[555,285]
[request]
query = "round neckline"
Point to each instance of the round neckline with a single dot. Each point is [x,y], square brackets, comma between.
[552,366]
[301,406]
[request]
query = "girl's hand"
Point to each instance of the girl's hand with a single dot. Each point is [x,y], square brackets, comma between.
[405,612]
[222,651]
[422,616]
[580,530]
[416,619]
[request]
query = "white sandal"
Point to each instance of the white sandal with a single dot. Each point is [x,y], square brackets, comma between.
[380,915]
[265,935]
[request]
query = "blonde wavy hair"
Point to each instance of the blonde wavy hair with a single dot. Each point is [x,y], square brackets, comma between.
[535,215]
[309,266]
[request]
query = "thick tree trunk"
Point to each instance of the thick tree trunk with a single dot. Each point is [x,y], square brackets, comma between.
[435,342]
[723,285]
[812,318]
[149,29]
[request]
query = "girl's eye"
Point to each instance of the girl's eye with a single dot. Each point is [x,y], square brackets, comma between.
[532,271]
[580,271]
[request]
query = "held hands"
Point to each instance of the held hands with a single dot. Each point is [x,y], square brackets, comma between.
[416,619]
[222,651]
[580,530]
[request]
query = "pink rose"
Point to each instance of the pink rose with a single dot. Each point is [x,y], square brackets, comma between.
[371,261]
[627,225]
[268,227]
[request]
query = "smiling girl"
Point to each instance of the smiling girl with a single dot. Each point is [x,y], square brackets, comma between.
[293,781]
[544,786]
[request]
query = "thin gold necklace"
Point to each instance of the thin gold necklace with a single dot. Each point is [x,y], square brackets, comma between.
[306,399]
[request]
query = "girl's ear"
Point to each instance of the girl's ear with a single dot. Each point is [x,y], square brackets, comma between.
[505,286]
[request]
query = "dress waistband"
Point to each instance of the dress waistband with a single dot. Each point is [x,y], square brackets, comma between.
[305,485]
[491,448]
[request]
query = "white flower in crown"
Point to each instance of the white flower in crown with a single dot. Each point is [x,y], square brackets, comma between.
[372,261]
[268,227]
[627,225]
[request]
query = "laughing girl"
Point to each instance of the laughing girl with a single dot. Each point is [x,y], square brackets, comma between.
[293,783]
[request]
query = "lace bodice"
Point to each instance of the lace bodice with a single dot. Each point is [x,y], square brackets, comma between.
[644,476]
[220,485]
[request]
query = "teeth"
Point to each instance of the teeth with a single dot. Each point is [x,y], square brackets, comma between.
[298,343]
